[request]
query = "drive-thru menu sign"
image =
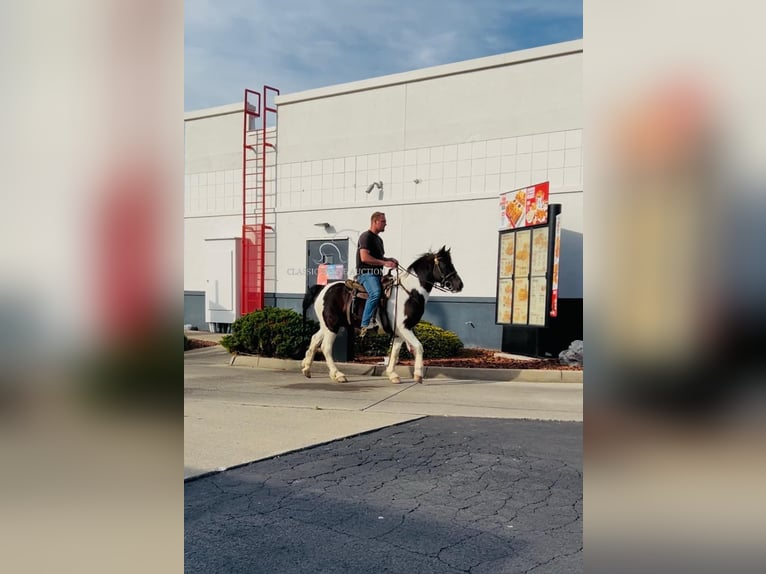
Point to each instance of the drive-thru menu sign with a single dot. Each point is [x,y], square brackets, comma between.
[527,270]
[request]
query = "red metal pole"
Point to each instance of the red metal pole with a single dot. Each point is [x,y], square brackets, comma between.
[245,255]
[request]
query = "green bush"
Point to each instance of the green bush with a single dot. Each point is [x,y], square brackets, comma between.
[271,332]
[437,343]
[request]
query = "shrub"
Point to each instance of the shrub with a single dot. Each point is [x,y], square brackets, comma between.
[271,332]
[437,343]
[187,343]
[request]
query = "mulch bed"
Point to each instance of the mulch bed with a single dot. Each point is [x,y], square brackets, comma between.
[481,358]
[199,343]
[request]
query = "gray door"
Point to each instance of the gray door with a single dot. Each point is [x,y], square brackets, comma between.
[330,252]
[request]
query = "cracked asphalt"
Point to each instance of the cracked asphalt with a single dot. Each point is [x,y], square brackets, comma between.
[438,494]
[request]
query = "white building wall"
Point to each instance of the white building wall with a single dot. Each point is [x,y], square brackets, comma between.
[213,189]
[466,132]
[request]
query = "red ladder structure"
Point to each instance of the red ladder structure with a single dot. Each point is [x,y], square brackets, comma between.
[257,147]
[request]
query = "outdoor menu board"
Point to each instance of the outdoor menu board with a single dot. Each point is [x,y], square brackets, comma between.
[522,253]
[520,300]
[540,251]
[537,292]
[504,298]
[526,259]
[507,245]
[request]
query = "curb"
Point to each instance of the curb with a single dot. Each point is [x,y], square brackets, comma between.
[404,371]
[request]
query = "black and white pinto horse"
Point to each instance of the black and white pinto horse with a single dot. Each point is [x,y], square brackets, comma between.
[404,310]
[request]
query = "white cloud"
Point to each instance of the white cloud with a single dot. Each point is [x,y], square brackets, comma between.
[302,44]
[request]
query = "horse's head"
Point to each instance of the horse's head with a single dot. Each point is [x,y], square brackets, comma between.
[445,273]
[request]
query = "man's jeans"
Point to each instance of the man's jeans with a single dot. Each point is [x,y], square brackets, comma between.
[372,284]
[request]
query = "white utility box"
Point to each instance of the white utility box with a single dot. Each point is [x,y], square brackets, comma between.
[222,283]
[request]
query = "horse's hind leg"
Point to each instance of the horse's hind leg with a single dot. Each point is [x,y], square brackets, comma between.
[316,339]
[393,359]
[327,344]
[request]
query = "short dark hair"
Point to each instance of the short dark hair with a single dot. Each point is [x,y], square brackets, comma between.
[377,215]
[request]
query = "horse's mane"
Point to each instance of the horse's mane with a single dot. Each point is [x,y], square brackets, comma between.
[421,258]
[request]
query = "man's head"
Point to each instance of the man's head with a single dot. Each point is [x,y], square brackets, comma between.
[378,222]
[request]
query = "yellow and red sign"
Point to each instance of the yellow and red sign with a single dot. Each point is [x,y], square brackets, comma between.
[524,207]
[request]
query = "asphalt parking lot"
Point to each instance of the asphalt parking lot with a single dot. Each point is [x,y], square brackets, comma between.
[285,474]
[439,494]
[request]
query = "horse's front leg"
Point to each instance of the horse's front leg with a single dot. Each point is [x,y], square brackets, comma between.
[414,344]
[327,343]
[393,359]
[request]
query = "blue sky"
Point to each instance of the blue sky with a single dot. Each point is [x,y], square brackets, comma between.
[297,45]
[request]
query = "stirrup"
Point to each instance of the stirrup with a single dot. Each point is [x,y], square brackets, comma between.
[373,326]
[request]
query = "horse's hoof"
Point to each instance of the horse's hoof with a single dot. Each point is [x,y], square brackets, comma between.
[395,380]
[418,379]
[306,372]
[341,378]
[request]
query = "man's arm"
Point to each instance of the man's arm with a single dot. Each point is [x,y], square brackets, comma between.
[364,255]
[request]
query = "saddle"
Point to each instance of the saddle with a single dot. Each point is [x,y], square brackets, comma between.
[357,299]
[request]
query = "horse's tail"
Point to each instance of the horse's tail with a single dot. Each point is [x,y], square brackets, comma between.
[309,297]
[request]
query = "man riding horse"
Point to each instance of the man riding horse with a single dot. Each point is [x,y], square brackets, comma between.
[403,310]
[370,262]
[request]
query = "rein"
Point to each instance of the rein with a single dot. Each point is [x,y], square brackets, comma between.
[434,284]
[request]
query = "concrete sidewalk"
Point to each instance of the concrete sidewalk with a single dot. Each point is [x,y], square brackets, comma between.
[526,375]
[238,414]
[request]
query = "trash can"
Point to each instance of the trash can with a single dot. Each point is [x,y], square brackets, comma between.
[343,348]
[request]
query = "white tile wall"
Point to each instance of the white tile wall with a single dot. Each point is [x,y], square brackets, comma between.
[479,150]
[524,144]
[216,193]
[540,160]
[492,165]
[478,167]
[471,168]
[573,138]
[556,177]
[540,142]
[523,162]
[494,148]
[492,183]
[463,151]
[463,185]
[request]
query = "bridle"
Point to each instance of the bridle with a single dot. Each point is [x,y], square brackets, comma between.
[443,284]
